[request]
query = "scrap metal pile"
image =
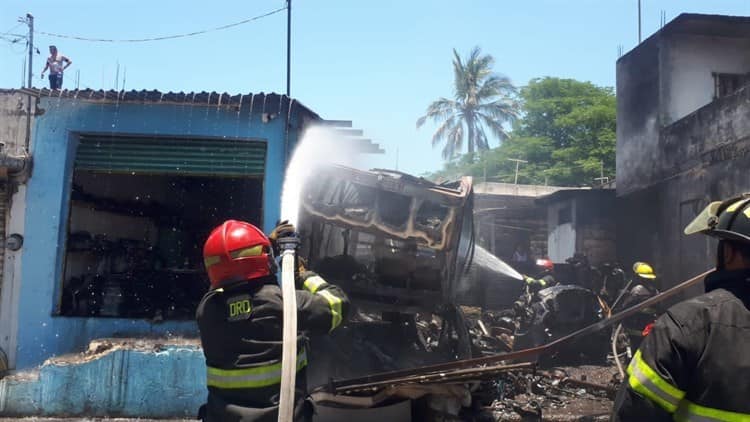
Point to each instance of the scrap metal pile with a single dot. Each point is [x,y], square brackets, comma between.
[401,247]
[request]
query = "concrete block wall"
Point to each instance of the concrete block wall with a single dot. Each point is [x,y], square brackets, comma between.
[39,331]
[163,382]
[705,157]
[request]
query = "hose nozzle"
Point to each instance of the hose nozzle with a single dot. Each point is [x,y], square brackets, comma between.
[290,242]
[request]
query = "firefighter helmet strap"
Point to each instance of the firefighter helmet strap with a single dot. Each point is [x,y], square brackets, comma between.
[720,256]
[273,266]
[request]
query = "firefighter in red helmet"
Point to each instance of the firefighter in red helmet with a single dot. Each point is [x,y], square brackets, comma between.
[240,321]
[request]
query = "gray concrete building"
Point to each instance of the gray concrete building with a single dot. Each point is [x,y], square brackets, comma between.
[507,217]
[580,221]
[683,137]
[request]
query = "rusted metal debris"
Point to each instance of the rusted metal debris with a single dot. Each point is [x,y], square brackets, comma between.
[527,355]
[505,386]
[473,374]
[502,392]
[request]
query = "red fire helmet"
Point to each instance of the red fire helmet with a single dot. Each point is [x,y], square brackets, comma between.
[235,251]
[546,264]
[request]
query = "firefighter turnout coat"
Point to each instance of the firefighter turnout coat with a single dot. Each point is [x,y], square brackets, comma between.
[241,334]
[694,365]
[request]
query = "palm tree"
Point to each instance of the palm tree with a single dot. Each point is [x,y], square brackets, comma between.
[481,100]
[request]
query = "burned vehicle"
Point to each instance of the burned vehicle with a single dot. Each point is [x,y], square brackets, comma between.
[397,244]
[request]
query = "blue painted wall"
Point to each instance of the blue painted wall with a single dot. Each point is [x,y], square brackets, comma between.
[42,335]
[154,384]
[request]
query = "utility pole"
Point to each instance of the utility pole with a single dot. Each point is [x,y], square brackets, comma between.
[639,21]
[518,163]
[288,47]
[117,77]
[30,23]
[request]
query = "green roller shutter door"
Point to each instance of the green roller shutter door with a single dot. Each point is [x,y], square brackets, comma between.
[217,157]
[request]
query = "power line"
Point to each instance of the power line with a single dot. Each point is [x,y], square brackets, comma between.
[11,37]
[13,28]
[14,43]
[166,37]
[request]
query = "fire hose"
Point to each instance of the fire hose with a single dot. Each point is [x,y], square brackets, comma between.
[288,246]
[385,379]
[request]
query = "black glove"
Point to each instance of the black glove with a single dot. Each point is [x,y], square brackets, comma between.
[283,229]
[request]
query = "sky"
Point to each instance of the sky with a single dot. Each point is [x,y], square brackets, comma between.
[376,63]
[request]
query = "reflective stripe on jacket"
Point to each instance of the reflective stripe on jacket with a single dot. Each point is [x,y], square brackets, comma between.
[694,365]
[240,328]
[253,377]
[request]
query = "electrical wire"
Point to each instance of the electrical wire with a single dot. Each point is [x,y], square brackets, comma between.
[13,45]
[9,38]
[13,28]
[166,37]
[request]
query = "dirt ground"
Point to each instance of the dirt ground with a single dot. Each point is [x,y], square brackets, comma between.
[560,398]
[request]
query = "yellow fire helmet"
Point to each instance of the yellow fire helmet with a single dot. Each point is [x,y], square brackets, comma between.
[728,219]
[644,270]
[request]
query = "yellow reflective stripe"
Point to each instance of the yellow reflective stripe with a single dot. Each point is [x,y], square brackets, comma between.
[211,260]
[256,377]
[314,283]
[335,304]
[734,206]
[647,382]
[688,411]
[246,252]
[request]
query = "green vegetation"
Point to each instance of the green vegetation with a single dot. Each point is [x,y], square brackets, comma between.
[481,101]
[566,132]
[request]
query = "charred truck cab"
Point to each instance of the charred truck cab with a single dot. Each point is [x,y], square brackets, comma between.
[397,244]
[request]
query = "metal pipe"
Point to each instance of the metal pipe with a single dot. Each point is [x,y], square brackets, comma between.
[639,21]
[30,22]
[526,355]
[288,47]
[614,351]
[289,338]
[622,293]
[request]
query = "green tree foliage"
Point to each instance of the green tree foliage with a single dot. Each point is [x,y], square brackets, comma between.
[481,101]
[566,133]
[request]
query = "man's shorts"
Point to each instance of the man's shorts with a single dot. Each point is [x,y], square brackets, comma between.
[55,80]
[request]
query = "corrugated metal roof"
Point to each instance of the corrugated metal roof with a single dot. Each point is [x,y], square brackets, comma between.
[271,100]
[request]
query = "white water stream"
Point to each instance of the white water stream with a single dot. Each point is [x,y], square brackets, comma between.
[318,145]
[483,258]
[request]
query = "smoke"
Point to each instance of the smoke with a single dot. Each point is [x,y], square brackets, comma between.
[319,145]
